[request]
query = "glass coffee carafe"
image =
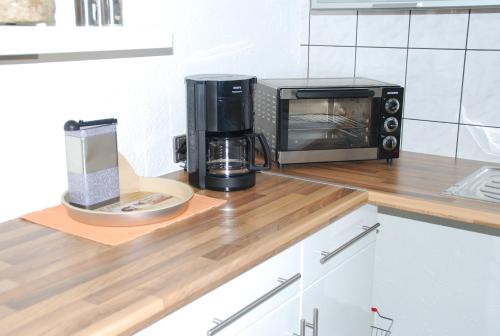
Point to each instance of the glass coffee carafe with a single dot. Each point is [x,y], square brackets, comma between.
[230,156]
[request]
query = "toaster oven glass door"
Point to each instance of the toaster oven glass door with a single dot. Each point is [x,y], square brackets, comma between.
[332,123]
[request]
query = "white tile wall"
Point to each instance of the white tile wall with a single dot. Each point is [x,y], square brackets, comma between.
[439,29]
[484,30]
[383,28]
[385,64]
[433,85]
[479,143]
[416,137]
[334,28]
[304,21]
[327,62]
[449,63]
[481,97]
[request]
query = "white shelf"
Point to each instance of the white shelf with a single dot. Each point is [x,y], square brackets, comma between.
[146,26]
[47,40]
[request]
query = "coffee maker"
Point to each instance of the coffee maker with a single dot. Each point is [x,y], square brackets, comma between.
[220,138]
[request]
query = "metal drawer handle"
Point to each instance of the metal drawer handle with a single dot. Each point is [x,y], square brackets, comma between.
[314,326]
[223,324]
[329,255]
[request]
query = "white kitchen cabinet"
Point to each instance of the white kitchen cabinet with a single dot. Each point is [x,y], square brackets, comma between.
[437,277]
[411,4]
[343,297]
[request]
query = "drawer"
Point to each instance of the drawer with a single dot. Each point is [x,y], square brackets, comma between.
[318,258]
[279,276]
[239,302]
[283,321]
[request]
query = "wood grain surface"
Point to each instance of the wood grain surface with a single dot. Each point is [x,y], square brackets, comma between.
[52,283]
[414,182]
[56,284]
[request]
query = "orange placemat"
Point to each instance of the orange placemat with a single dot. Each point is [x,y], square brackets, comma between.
[57,218]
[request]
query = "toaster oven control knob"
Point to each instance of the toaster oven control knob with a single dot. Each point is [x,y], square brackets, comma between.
[390,143]
[392,105]
[391,124]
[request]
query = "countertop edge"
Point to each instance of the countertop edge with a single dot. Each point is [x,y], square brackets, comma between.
[435,208]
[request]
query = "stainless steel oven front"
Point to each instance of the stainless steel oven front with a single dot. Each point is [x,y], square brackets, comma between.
[336,119]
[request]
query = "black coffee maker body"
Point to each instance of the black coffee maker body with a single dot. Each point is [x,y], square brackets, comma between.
[220,137]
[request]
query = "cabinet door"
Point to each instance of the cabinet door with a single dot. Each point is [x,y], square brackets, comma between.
[434,277]
[343,297]
[284,321]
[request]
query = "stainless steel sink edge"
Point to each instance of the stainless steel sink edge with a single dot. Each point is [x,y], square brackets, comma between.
[481,185]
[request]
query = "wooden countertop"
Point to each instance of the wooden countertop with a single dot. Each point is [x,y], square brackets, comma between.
[56,284]
[412,183]
[52,283]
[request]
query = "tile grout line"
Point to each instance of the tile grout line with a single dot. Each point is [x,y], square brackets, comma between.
[463,81]
[452,123]
[309,41]
[406,76]
[356,44]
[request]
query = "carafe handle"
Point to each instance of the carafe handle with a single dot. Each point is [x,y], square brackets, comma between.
[267,152]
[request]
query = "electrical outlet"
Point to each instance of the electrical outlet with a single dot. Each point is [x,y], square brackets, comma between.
[180,148]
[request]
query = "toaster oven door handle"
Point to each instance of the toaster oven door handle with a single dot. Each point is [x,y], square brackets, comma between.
[323,94]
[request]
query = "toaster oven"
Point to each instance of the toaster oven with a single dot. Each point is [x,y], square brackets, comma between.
[334,119]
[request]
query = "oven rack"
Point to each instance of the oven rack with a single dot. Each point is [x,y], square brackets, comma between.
[315,121]
[325,122]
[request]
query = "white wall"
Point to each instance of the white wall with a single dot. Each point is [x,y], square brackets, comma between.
[448,60]
[147,96]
